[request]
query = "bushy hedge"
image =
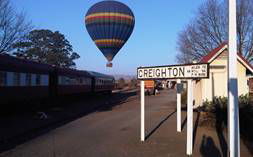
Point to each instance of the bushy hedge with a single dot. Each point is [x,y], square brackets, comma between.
[220,103]
[216,113]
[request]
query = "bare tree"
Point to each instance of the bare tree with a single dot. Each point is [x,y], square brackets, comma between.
[13,26]
[122,82]
[209,29]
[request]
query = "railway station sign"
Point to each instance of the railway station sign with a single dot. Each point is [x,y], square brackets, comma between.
[181,71]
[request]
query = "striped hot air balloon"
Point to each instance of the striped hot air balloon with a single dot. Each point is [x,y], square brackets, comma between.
[110,24]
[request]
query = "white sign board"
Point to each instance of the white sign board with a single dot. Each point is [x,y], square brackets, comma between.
[186,71]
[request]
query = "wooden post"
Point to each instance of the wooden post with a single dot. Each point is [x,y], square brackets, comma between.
[189,118]
[178,109]
[142,111]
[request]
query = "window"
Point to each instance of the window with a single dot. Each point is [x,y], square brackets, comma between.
[38,80]
[3,78]
[16,79]
[28,79]
[81,81]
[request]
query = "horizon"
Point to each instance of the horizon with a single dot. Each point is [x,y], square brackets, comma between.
[158,29]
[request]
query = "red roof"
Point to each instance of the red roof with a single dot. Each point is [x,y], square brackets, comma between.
[210,55]
[244,60]
[214,52]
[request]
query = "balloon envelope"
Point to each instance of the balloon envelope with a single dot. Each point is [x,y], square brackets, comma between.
[110,24]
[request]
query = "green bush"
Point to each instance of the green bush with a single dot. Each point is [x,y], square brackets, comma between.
[244,100]
[216,113]
[208,106]
[220,103]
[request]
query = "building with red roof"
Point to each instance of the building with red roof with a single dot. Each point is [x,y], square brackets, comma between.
[216,84]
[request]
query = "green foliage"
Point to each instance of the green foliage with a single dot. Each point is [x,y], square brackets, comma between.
[244,100]
[215,115]
[221,103]
[208,106]
[218,103]
[216,112]
[47,47]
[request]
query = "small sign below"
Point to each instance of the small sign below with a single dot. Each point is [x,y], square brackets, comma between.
[180,87]
[183,71]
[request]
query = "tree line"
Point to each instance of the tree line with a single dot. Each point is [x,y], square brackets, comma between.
[19,38]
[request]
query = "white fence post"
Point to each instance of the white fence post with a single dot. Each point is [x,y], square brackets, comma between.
[178,109]
[189,118]
[142,111]
[233,109]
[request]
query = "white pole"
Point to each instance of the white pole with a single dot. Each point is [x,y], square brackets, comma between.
[189,118]
[178,109]
[233,110]
[142,111]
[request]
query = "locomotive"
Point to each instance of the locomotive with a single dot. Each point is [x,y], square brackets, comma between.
[25,80]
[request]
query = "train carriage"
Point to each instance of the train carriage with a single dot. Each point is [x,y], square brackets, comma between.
[71,81]
[102,82]
[24,80]
[21,79]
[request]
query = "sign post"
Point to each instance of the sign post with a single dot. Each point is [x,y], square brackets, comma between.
[189,118]
[233,109]
[142,111]
[183,71]
[178,107]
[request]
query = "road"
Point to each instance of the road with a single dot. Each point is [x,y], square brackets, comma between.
[115,132]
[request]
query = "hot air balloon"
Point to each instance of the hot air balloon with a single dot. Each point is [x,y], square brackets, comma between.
[110,24]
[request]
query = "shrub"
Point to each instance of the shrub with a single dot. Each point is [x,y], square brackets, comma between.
[216,113]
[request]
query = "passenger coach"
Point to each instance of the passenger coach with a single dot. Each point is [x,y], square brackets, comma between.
[71,81]
[22,79]
[102,82]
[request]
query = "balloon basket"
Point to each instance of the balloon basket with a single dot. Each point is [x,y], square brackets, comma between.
[109,65]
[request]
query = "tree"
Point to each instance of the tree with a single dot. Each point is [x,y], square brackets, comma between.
[122,83]
[209,29]
[47,47]
[133,83]
[13,26]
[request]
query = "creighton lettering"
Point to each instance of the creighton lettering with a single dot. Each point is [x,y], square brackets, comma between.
[163,72]
[145,73]
[158,72]
[174,72]
[181,71]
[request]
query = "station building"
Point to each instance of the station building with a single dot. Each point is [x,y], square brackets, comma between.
[216,84]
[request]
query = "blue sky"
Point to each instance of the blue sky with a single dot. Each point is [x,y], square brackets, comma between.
[153,41]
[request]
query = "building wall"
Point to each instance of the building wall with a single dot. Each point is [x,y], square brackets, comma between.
[216,84]
[243,87]
[197,94]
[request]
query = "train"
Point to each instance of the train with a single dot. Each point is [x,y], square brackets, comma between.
[26,80]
